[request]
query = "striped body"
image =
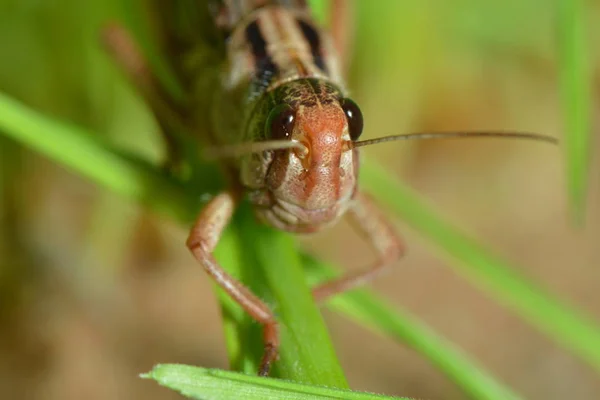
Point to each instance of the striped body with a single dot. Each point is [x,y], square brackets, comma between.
[277,56]
[274,45]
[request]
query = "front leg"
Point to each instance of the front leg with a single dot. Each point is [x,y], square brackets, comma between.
[202,241]
[381,235]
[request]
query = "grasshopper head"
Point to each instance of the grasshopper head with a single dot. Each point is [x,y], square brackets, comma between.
[305,188]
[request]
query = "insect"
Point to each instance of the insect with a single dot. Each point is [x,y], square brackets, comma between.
[264,83]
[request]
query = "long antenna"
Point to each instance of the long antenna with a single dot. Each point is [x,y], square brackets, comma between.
[237,150]
[454,135]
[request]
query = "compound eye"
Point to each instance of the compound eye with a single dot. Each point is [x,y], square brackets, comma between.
[281,122]
[354,117]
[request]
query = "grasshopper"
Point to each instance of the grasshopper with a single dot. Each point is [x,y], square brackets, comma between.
[272,104]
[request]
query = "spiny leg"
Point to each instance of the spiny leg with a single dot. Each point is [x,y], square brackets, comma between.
[381,235]
[202,241]
[126,53]
[341,19]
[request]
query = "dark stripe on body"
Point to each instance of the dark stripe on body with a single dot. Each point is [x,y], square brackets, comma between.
[314,40]
[266,70]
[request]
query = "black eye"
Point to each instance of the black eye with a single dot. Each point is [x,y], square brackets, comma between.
[354,117]
[280,122]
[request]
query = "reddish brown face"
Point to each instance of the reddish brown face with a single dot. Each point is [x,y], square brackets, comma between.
[307,189]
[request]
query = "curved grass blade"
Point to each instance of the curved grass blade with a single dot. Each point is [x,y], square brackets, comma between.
[365,308]
[203,384]
[308,356]
[569,327]
[576,84]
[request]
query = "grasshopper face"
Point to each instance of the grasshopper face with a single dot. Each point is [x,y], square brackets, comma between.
[304,189]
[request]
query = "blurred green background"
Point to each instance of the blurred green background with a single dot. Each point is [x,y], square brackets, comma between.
[94,289]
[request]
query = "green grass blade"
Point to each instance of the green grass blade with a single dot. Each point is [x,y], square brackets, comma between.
[275,270]
[81,152]
[368,310]
[307,353]
[576,85]
[200,383]
[268,262]
[575,331]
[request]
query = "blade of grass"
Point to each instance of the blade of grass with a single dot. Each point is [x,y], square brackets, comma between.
[576,85]
[569,327]
[368,310]
[306,354]
[268,262]
[201,383]
[281,282]
[75,148]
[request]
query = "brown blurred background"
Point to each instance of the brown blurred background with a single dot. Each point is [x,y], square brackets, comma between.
[95,290]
